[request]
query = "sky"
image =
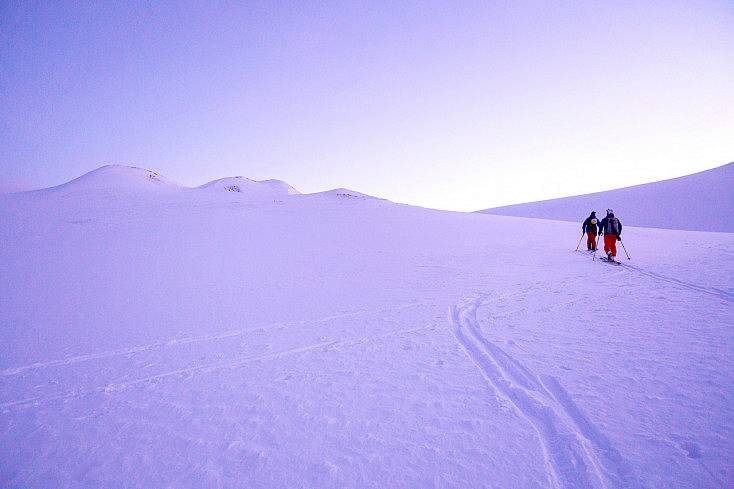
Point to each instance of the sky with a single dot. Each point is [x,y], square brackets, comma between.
[459,105]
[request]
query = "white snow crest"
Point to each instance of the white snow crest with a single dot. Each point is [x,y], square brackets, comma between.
[243,185]
[118,178]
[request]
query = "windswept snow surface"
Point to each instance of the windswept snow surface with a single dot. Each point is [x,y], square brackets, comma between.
[187,339]
[700,202]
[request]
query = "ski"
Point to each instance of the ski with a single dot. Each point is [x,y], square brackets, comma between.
[607,260]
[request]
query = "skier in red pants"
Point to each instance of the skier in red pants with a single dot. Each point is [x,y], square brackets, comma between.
[589,227]
[611,228]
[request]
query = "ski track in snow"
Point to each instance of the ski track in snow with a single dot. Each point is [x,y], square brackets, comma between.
[721,294]
[714,291]
[576,454]
[200,366]
[184,341]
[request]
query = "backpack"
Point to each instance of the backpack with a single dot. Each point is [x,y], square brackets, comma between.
[591,226]
[612,226]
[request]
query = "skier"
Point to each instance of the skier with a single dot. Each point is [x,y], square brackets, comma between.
[589,227]
[611,228]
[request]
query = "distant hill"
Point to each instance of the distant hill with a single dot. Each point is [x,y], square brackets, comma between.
[116,179]
[120,181]
[703,201]
[247,186]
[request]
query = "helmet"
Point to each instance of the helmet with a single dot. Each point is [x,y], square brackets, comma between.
[610,212]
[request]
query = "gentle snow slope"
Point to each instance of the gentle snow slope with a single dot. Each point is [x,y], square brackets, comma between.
[700,202]
[192,339]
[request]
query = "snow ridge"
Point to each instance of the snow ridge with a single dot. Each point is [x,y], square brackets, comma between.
[698,202]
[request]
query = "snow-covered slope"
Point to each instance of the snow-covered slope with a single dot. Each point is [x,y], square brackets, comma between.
[118,179]
[186,339]
[702,202]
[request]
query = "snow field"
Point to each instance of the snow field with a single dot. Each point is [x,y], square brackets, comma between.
[211,339]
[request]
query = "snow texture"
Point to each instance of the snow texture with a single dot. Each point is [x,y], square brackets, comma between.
[154,335]
[703,201]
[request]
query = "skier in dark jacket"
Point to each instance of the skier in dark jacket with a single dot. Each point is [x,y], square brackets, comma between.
[611,228]
[589,227]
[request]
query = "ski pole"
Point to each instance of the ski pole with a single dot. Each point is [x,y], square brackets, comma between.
[625,249]
[596,247]
[577,246]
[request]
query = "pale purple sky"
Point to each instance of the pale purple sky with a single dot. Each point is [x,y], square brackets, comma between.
[457,105]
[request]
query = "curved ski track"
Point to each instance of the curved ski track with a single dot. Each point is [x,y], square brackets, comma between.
[576,454]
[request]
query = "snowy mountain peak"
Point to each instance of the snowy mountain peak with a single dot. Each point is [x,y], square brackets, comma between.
[119,178]
[253,187]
